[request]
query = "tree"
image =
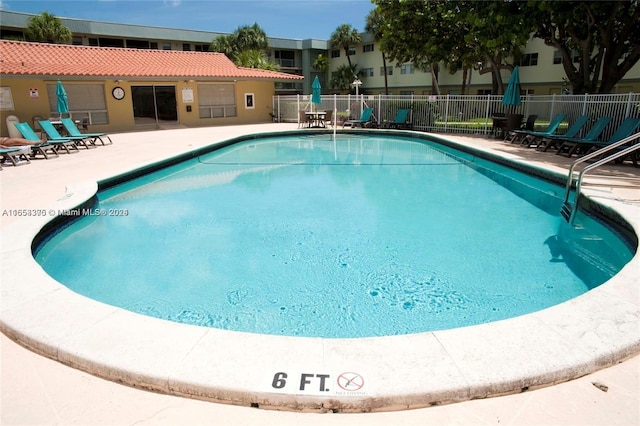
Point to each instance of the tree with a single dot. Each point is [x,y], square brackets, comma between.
[47,28]
[428,32]
[321,63]
[252,58]
[342,78]
[604,35]
[374,26]
[344,36]
[246,47]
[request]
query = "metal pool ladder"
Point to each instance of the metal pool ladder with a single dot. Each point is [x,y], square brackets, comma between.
[568,211]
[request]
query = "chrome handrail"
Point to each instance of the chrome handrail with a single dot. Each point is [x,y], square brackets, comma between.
[598,163]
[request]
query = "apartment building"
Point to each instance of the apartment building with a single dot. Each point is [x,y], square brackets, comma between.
[541,71]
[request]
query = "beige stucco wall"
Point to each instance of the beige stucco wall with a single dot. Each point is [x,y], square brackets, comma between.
[120,112]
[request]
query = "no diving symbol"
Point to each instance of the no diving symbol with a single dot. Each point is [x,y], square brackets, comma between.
[350,381]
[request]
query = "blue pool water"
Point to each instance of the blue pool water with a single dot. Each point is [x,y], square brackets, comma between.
[353,237]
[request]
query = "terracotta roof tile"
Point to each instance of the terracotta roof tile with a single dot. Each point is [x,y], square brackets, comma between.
[22,58]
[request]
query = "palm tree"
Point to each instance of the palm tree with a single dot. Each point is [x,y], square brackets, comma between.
[344,36]
[343,77]
[48,29]
[374,26]
[251,37]
[246,47]
[253,58]
[321,63]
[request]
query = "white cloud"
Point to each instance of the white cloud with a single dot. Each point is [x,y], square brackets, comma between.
[173,3]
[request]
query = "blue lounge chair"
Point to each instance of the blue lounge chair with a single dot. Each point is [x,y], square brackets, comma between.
[401,121]
[626,129]
[552,141]
[13,155]
[527,136]
[365,119]
[569,146]
[73,130]
[52,147]
[53,134]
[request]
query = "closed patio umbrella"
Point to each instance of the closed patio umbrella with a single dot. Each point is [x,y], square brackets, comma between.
[316,96]
[63,102]
[512,94]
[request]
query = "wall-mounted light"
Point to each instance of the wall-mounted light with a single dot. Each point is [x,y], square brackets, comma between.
[118,81]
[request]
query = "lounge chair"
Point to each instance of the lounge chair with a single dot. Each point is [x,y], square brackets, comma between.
[53,134]
[14,155]
[401,121]
[626,129]
[527,136]
[553,141]
[51,147]
[570,146]
[365,119]
[73,130]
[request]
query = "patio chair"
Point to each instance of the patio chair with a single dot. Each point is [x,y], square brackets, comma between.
[552,141]
[53,135]
[365,119]
[328,117]
[73,130]
[303,119]
[527,135]
[14,155]
[570,146]
[401,121]
[52,147]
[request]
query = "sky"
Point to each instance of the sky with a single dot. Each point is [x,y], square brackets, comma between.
[297,19]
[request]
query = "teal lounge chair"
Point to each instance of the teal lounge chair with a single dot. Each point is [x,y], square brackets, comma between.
[46,146]
[72,129]
[570,146]
[401,121]
[365,119]
[554,141]
[53,134]
[13,155]
[626,129]
[526,137]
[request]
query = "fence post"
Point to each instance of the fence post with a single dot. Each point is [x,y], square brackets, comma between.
[628,112]
[487,114]
[584,104]
[553,106]
[446,113]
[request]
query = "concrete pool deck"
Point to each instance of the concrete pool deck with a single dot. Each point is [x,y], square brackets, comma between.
[36,390]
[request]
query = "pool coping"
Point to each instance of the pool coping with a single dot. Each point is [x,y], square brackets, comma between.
[575,338]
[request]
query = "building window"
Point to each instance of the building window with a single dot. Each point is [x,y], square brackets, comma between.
[153,45]
[484,92]
[166,46]
[406,92]
[367,48]
[217,100]
[76,41]
[186,47]
[557,57]
[389,70]
[335,53]
[366,72]
[201,48]
[93,42]
[88,102]
[407,69]
[138,44]
[529,60]
[110,42]
[285,58]
[352,51]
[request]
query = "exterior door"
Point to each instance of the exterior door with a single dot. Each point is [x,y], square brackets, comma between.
[154,105]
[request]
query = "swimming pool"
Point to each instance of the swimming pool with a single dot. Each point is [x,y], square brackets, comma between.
[312,236]
[569,340]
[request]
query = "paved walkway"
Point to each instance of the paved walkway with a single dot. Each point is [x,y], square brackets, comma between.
[36,390]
